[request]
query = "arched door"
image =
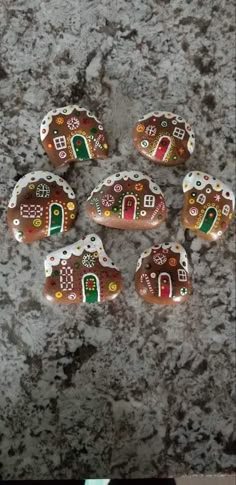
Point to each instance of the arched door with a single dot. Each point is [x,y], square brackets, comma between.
[90,288]
[80,147]
[164,285]
[56,219]
[129,207]
[162,148]
[209,220]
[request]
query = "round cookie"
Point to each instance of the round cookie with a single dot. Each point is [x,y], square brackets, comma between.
[162,274]
[41,204]
[127,200]
[208,205]
[73,133]
[164,138]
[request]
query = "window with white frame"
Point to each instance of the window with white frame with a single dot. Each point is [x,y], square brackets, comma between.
[226,210]
[42,190]
[149,200]
[59,142]
[182,275]
[178,133]
[201,199]
[31,211]
[66,278]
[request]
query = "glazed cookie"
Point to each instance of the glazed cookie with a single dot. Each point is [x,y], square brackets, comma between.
[208,205]
[163,137]
[73,133]
[41,204]
[127,200]
[162,274]
[81,273]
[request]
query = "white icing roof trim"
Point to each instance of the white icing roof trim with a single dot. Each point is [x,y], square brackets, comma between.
[132,175]
[191,179]
[66,110]
[24,181]
[167,115]
[175,247]
[77,249]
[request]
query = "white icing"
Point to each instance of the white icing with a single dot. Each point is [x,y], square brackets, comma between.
[24,181]
[167,115]
[132,175]
[175,247]
[191,179]
[77,249]
[66,110]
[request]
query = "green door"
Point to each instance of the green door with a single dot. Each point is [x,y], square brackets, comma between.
[208,220]
[56,219]
[80,147]
[91,292]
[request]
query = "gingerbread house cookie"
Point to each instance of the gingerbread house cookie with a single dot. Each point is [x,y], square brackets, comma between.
[208,205]
[127,200]
[73,133]
[162,274]
[163,137]
[41,204]
[81,273]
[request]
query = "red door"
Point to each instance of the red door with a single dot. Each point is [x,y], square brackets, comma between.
[129,207]
[162,148]
[164,285]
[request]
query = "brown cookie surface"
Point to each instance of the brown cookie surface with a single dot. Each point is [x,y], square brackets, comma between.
[127,200]
[73,133]
[81,273]
[208,205]
[41,204]
[162,274]
[164,138]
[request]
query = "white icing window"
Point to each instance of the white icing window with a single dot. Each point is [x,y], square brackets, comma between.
[42,190]
[59,142]
[149,200]
[226,210]
[31,211]
[182,275]
[201,199]
[178,133]
[66,278]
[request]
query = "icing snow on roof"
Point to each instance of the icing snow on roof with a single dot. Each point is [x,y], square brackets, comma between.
[131,175]
[175,247]
[199,180]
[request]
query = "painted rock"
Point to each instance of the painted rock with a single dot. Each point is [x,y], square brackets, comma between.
[41,204]
[162,274]
[208,205]
[81,272]
[72,133]
[165,138]
[127,200]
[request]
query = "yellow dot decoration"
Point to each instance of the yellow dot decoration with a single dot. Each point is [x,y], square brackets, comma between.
[59,120]
[191,201]
[37,222]
[112,286]
[105,146]
[70,206]
[230,216]
[31,186]
[72,216]
[56,212]
[140,128]
[107,213]
[95,254]
[138,187]
[58,294]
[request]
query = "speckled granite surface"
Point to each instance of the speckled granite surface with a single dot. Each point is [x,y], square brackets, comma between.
[124,389]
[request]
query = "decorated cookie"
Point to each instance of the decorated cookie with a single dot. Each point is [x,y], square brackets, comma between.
[81,272]
[164,138]
[162,274]
[41,204]
[72,133]
[127,200]
[208,205]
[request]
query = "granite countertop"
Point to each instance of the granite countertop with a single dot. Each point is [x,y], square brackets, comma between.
[122,389]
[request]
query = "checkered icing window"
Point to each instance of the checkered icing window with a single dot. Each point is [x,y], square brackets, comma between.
[42,190]
[226,210]
[201,199]
[182,275]
[178,133]
[66,278]
[149,200]
[31,211]
[59,142]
